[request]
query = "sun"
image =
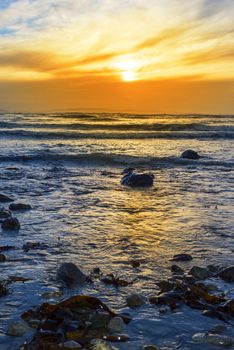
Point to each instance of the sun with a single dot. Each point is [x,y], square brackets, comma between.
[128,75]
[127,69]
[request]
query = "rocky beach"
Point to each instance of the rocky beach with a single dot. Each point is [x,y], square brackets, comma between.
[88,263]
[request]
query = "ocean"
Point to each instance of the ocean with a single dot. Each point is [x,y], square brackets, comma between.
[68,167]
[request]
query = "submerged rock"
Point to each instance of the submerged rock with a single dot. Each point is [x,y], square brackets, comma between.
[11,224]
[101,345]
[190,154]
[70,344]
[136,180]
[214,339]
[227,274]
[150,347]
[19,206]
[70,274]
[17,329]
[165,285]
[5,199]
[200,273]
[2,258]
[182,257]
[116,325]
[4,213]
[134,300]
[177,270]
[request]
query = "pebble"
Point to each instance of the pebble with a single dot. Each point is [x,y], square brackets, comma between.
[116,325]
[17,329]
[134,300]
[101,345]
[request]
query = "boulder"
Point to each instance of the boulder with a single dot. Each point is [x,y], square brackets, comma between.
[190,154]
[134,300]
[19,206]
[227,274]
[5,199]
[10,224]
[71,275]
[213,339]
[182,257]
[200,273]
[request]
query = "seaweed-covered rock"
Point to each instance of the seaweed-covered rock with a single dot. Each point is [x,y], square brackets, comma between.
[19,206]
[11,224]
[70,274]
[190,154]
[5,199]
[227,274]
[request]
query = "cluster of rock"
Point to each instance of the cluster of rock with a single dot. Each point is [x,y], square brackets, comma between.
[8,222]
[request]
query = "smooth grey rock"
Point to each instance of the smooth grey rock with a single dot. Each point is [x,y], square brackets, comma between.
[19,206]
[200,273]
[116,325]
[70,274]
[10,224]
[190,154]
[17,329]
[227,274]
[134,300]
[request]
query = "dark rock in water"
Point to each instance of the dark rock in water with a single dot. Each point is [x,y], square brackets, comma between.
[150,347]
[71,275]
[182,257]
[5,199]
[200,273]
[176,269]
[19,206]
[136,180]
[4,213]
[190,154]
[165,286]
[227,274]
[135,263]
[11,224]
[134,300]
[2,258]
[34,245]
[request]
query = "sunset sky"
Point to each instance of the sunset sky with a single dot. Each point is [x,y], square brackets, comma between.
[157,56]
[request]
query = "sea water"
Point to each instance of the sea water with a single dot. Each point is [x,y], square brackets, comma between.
[68,166]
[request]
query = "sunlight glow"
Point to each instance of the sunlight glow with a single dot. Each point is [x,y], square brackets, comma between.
[129,75]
